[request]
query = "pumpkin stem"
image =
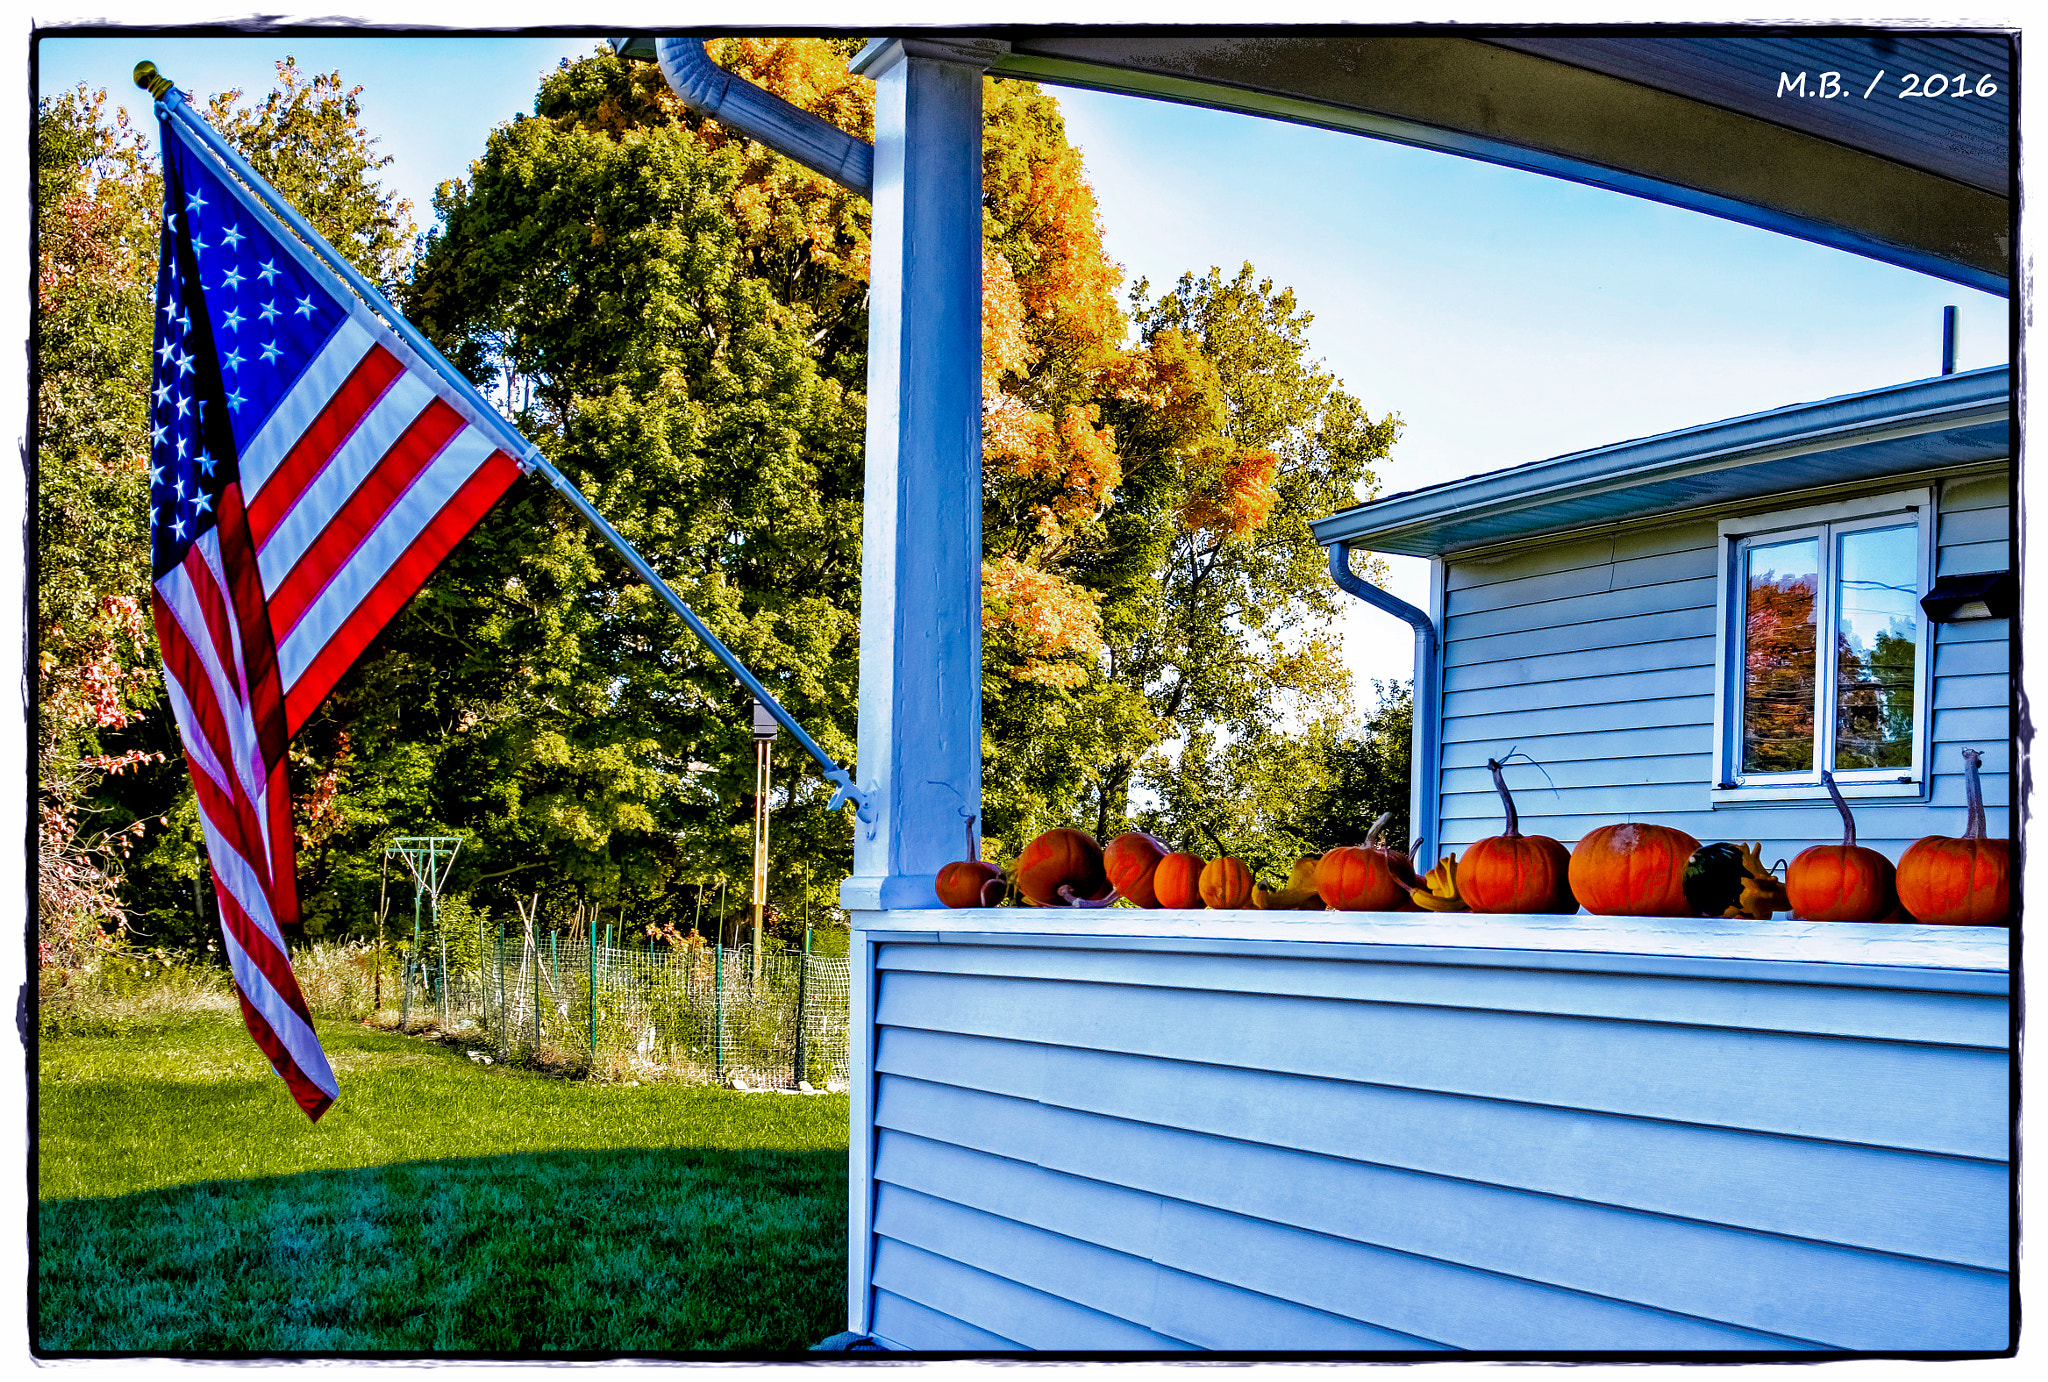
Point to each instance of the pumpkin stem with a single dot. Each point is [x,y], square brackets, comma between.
[973,849]
[1372,836]
[1507,802]
[1827,780]
[1973,792]
[1074,899]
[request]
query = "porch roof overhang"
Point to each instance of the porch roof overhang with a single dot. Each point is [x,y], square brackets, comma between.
[1689,117]
[1929,425]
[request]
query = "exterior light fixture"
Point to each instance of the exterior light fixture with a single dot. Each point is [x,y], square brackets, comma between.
[1979,595]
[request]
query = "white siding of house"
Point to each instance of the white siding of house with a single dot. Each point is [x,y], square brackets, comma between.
[1597,659]
[1106,1143]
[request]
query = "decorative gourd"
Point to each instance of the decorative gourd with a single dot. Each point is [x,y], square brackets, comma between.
[1177,882]
[966,883]
[1129,860]
[1297,894]
[1513,872]
[1843,882]
[1730,880]
[1438,889]
[1062,868]
[1367,877]
[1226,884]
[1632,870]
[1944,881]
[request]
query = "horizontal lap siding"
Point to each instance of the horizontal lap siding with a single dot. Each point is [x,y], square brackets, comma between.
[1972,666]
[1388,1170]
[1597,660]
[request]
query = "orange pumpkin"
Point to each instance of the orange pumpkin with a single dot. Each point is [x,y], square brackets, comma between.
[1130,860]
[1177,881]
[1629,870]
[1513,872]
[1843,882]
[1062,867]
[1944,881]
[1226,883]
[965,883]
[1367,877]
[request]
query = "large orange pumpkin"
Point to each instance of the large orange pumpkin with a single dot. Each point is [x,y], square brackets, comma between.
[1513,872]
[1062,859]
[1367,877]
[965,882]
[1843,882]
[1177,881]
[1130,860]
[1630,870]
[1944,881]
[1226,883]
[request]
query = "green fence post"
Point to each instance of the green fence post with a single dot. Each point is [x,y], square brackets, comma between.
[591,950]
[504,1035]
[803,975]
[718,1007]
[536,995]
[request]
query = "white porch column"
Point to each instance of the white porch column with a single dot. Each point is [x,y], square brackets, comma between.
[920,620]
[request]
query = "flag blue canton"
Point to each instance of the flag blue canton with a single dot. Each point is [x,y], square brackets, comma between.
[238,321]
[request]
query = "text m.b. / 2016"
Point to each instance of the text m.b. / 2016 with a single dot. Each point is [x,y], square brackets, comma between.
[1828,86]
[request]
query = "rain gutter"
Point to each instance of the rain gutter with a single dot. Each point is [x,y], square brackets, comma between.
[739,105]
[1422,772]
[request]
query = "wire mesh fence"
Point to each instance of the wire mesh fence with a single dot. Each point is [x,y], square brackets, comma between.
[692,1011]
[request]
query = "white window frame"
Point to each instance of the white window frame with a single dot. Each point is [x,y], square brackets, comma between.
[1730,786]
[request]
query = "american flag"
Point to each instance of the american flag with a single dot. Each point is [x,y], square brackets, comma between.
[307,474]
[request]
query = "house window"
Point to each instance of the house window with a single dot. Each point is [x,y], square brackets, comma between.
[1825,650]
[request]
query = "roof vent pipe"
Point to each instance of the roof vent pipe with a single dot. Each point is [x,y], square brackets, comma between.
[709,89]
[1422,768]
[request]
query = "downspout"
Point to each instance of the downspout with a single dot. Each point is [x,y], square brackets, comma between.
[1423,794]
[739,105]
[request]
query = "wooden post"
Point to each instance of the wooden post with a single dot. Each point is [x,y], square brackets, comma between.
[920,639]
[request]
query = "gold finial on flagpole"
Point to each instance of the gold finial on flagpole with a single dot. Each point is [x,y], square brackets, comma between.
[150,80]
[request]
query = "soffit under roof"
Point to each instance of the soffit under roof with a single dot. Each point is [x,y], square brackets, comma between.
[1688,118]
[1943,423]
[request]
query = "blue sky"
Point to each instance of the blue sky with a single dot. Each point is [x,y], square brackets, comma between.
[1505,316]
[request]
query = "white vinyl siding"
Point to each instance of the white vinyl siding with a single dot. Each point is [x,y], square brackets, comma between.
[1103,1144]
[1596,658]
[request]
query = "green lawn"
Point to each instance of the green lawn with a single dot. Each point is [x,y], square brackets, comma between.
[186,1206]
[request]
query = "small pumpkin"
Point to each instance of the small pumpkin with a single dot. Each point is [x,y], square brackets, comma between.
[1730,880]
[1367,877]
[1967,881]
[1062,868]
[1632,870]
[1297,894]
[1130,860]
[1226,884]
[965,883]
[1177,881]
[1513,872]
[1843,882]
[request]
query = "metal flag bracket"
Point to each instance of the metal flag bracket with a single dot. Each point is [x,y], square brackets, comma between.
[172,108]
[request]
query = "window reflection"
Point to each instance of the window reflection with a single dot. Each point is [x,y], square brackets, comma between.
[1877,632]
[1779,646]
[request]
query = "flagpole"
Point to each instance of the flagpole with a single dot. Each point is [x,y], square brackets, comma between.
[172,107]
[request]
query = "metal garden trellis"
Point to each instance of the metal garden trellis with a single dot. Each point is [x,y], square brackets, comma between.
[429,858]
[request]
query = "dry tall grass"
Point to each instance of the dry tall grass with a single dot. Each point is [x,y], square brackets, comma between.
[123,991]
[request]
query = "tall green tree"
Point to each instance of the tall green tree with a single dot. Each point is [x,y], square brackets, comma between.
[95,205]
[1217,598]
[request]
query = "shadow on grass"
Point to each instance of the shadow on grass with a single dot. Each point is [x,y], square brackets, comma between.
[640,1251]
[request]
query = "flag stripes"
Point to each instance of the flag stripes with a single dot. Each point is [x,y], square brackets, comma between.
[365,611]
